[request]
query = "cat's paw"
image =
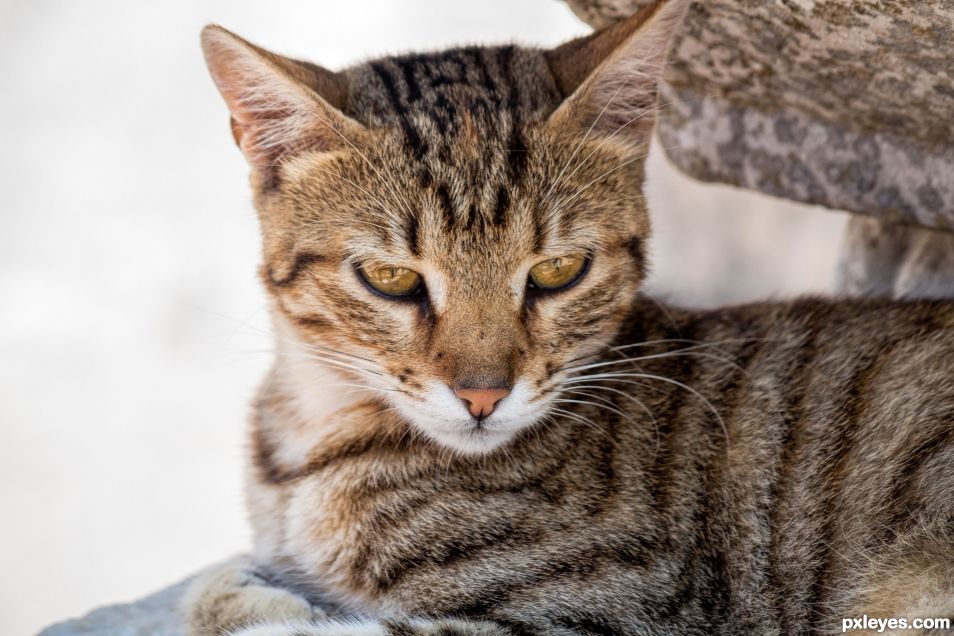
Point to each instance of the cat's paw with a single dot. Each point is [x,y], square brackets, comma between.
[230,597]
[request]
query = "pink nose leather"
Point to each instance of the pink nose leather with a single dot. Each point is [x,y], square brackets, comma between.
[481,402]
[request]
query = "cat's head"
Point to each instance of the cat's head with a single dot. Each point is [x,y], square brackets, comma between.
[452,230]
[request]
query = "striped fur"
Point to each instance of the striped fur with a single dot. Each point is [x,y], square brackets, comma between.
[762,469]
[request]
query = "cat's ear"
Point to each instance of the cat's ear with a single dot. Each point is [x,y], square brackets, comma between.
[279,106]
[611,77]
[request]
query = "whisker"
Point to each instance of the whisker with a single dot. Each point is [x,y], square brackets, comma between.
[302,356]
[606,139]
[659,378]
[256,331]
[603,403]
[363,387]
[301,351]
[664,310]
[700,344]
[572,198]
[323,356]
[388,183]
[616,391]
[642,385]
[633,398]
[579,418]
[635,72]
[646,343]
[384,208]
[585,137]
[328,351]
[606,203]
[655,356]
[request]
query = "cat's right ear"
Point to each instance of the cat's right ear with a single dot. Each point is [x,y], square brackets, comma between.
[280,107]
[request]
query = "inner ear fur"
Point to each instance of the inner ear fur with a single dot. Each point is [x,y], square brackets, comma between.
[279,106]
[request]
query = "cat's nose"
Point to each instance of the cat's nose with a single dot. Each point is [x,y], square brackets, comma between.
[481,402]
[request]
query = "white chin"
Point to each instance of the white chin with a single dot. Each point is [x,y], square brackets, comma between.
[472,441]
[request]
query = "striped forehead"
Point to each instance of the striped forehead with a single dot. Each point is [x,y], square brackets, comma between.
[481,83]
[462,116]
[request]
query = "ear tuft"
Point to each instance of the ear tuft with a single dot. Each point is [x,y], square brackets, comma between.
[611,77]
[279,106]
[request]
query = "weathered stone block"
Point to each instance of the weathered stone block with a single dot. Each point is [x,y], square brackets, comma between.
[156,615]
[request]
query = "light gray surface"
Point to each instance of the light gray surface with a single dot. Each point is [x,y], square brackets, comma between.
[156,615]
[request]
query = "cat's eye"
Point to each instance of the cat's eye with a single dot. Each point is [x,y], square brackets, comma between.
[391,281]
[558,273]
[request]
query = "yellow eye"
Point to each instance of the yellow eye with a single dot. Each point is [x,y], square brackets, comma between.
[557,273]
[392,281]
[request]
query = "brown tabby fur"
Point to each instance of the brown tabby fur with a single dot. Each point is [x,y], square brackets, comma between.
[763,469]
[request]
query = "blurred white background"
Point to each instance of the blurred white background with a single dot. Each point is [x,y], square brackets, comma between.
[131,322]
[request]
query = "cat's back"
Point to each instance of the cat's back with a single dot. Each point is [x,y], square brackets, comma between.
[815,334]
[822,430]
[826,381]
[846,360]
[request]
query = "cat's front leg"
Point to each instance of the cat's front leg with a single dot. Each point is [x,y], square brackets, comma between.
[409,627]
[233,600]
[231,597]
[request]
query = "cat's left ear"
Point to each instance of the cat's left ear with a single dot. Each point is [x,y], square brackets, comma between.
[611,77]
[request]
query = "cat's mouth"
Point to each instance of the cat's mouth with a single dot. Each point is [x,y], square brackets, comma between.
[443,417]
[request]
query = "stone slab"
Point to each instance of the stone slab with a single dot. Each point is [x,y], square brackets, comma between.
[849,105]
[155,615]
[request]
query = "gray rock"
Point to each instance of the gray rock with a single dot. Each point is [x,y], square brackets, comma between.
[842,104]
[155,615]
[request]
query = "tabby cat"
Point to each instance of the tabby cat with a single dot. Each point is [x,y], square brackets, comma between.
[476,424]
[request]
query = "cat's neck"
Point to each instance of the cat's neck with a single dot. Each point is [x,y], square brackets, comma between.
[302,399]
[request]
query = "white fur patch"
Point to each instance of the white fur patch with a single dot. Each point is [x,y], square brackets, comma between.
[443,417]
[317,389]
